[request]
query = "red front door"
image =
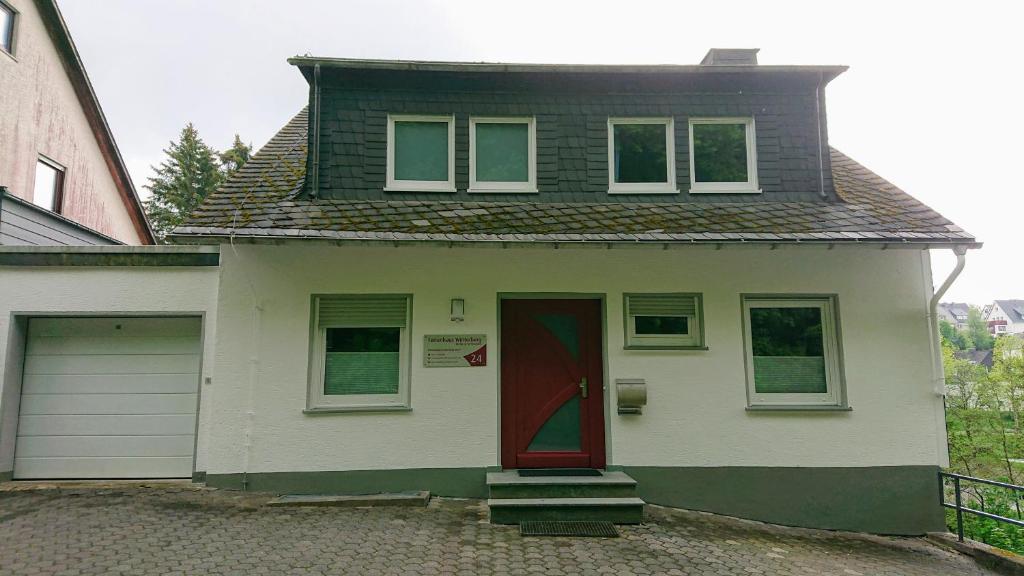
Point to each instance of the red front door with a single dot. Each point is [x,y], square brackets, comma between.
[552,405]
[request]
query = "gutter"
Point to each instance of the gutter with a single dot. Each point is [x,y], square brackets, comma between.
[935,340]
[314,121]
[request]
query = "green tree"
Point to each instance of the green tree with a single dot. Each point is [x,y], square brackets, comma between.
[190,172]
[977,330]
[235,157]
[955,338]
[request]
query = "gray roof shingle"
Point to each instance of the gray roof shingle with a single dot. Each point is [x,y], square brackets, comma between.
[263,200]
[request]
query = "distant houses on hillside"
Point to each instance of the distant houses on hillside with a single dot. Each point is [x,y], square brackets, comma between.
[1001,316]
[1006,317]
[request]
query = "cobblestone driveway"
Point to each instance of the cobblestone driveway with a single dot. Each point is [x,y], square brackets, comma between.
[183,530]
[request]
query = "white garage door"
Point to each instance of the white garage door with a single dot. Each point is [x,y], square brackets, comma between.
[108,398]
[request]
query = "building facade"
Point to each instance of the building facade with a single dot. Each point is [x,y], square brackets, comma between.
[453,276]
[62,179]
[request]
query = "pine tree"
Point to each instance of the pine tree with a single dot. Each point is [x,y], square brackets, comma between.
[235,157]
[190,172]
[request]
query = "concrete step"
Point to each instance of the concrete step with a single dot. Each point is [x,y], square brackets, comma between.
[616,510]
[509,484]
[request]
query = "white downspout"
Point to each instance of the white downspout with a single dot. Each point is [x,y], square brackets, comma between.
[935,340]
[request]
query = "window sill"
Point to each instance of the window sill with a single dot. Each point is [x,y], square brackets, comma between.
[644,191]
[351,409]
[665,347]
[798,408]
[411,188]
[502,191]
[738,190]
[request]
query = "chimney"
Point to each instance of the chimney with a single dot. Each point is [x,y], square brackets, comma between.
[731,57]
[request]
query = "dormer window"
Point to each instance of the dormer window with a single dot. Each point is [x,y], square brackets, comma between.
[641,156]
[421,154]
[723,157]
[502,155]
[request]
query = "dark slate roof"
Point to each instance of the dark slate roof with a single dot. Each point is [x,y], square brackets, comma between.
[982,357]
[1013,308]
[263,200]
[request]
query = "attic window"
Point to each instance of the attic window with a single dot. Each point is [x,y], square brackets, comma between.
[7,19]
[641,156]
[663,321]
[48,189]
[723,157]
[421,154]
[502,155]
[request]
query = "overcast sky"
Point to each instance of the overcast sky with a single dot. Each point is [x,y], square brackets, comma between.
[931,101]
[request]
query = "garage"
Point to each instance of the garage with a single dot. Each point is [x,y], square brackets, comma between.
[108,398]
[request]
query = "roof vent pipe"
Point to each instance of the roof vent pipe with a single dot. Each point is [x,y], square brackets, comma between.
[731,57]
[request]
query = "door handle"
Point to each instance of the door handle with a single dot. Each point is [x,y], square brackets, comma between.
[583,387]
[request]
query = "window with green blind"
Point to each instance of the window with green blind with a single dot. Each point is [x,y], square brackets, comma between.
[792,351]
[502,155]
[669,321]
[363,350]
[420,153]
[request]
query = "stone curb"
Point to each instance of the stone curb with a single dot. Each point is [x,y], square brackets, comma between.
[1002,561]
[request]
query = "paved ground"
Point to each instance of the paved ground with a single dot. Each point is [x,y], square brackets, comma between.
[171,529]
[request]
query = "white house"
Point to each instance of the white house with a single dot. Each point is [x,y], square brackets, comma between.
[530,282]
[1006,317]
[956,313]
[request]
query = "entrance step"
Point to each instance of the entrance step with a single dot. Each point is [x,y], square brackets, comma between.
[614,510]
[606,496]
[509,484]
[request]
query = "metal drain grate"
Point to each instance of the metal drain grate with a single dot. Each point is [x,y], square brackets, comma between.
[564,528]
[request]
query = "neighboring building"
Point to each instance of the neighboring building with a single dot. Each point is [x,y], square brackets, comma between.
[62,179]
[440,271]
[980,357]
[1006,317]
[956,313]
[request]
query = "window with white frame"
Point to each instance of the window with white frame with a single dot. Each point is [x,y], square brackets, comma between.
[792,351]
[723,155]
[502,155]
[8,19]
[641,156]
[421,153]
[672,321]
[360,352]
[48,188]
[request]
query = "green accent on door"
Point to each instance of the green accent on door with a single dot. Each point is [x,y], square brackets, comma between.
[561,432]
[563,327]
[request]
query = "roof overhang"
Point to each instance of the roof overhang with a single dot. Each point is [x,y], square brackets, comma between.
[200,235]
[306,64]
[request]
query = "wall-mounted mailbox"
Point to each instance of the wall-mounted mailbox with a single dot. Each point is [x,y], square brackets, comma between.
[631,394]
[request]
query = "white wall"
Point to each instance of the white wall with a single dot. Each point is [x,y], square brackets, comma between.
[40,114]
[695,415]
[87,291]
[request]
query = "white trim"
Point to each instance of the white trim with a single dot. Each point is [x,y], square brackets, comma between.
[499,187]
[690,338]
[317,400]
[393,185]
[748,187]
[830,335]
[667,187]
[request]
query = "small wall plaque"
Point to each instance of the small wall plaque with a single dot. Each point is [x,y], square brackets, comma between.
[454,350]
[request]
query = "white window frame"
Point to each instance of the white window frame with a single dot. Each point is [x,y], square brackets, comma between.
[317,401]
[393,185]
[530,186]
[668,187]
[834,396]
[57,194]
[693,339]
[15,17]
[748,187]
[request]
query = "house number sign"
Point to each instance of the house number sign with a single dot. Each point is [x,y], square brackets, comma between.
[454,350]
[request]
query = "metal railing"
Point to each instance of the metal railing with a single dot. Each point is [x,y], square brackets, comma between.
[958,500]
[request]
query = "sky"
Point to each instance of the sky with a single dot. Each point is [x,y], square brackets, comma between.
[931,101]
